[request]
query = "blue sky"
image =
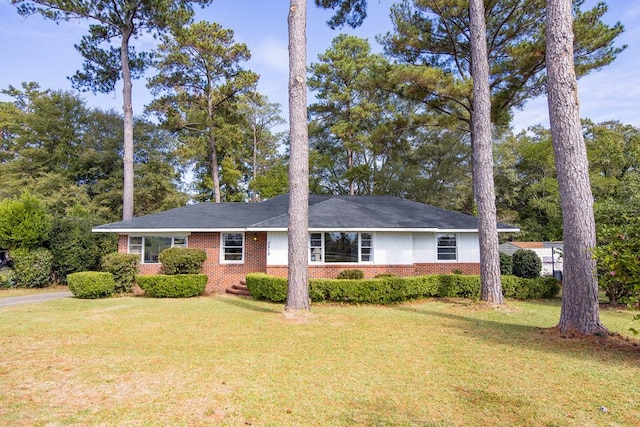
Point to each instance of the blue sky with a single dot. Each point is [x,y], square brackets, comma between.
[35,49]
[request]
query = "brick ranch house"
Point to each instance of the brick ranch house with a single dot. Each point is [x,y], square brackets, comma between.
[376,234]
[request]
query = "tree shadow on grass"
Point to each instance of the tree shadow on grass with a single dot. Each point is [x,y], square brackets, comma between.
[612,348]
[251,304]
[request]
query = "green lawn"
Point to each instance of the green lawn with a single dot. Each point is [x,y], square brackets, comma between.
[232,361]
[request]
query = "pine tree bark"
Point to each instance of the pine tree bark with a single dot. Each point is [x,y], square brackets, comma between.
[298,275]
[483,187]
[580,311]
[127,107]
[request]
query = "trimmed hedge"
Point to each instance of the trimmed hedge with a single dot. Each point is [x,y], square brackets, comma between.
[389,290]
[351,274]
[91,284]
[124,268]
[172,286]
[32,267]
[182,260]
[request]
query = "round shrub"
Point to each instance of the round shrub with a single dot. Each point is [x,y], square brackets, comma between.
[172,286]
[91,284]
[182,260]
[351,274]
[32,267]
[526,263]
[124,268]
[7,278]
[506,264]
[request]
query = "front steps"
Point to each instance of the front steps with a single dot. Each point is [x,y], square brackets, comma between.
[239,289]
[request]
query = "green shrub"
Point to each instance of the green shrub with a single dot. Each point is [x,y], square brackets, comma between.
[266,287]
[124,268]
[506,264]
[74,247]
[32,267]
[7,278]
[24,222]
[182,260]
[351,274]
[384,275]
[91,284]
[526,263]
[172,286]
[524,288]
[389,290]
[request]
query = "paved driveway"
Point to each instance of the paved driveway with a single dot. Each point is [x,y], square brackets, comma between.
[28,299]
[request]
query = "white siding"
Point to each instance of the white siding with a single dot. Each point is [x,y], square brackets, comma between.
[392,248]
[277,243]
[468,247]
[424,247]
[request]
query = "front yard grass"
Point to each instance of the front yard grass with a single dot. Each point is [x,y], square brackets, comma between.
[232,361]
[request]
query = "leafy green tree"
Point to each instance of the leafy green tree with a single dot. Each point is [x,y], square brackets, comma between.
[261,118]
[431,43]
[74,247]
[200,75]
[349,109]
[108,53]
[24,222]
[617,257]
[69,156]
[273,182]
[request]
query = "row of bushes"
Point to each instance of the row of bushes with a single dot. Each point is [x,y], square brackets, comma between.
[389,290]
[99,284]
[181,278]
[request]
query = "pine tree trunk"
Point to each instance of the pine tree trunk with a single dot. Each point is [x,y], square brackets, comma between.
[298,291]
[580,311]
[214,167]
[483,159]
[127,107]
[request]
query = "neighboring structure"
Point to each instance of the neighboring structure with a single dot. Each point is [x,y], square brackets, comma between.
[550,253]
[376,234]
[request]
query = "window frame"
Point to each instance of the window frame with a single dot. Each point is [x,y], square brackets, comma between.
[223,248]
[320,249]
[447,247]
[142,245]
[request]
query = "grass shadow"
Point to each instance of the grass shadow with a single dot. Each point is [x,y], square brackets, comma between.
[607,349]
[250,304]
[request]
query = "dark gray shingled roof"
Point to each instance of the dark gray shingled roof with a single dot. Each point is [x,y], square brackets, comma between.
[325,212]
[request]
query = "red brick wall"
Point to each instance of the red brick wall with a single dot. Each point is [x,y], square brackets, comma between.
[222,276]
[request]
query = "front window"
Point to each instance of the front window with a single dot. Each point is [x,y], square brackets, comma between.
[149,247]
[232,247]
[340,247]
[447,247]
